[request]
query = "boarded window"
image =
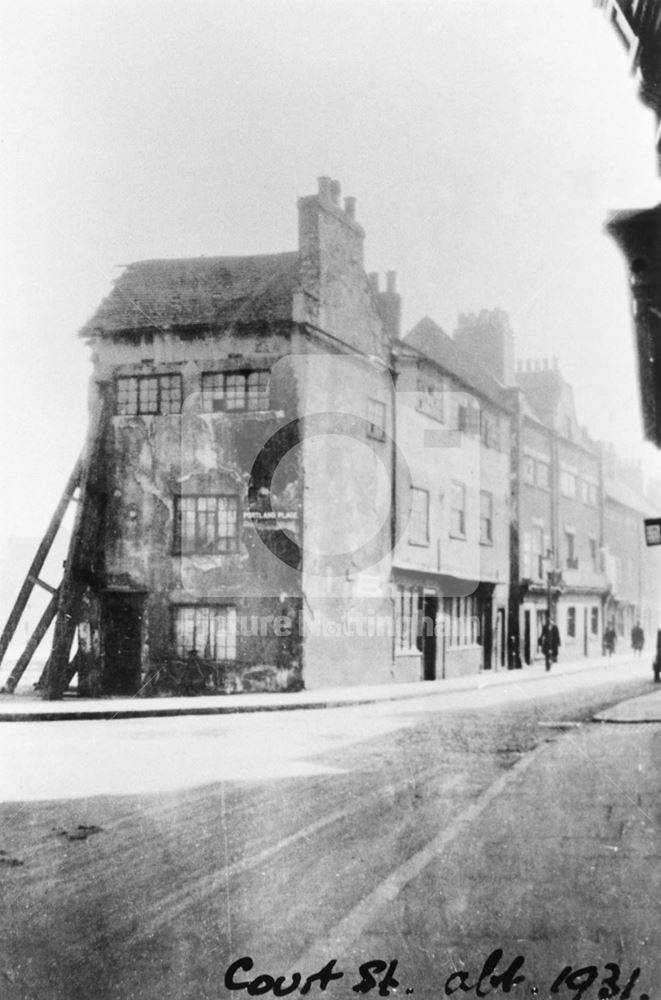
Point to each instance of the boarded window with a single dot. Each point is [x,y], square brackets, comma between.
[208,630]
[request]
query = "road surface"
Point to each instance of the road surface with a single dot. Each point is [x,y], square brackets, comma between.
[140,858]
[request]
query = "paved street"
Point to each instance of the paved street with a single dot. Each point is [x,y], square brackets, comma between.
[142,856]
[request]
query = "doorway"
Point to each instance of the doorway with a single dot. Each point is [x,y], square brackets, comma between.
[122,643]
[526,637]
[427,634]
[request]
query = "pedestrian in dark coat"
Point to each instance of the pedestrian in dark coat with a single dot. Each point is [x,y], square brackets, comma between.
[549,642]
[637,638]
[610,639]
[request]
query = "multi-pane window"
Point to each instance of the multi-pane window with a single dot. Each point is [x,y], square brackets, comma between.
[376,419]
[419,518]
[235,391]
[457,510]
[430,400]
[206,524]
[208,630]
[486,517]
[571,622]
[139,395]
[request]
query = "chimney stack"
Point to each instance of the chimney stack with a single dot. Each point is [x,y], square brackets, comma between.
[350,207]
[335,192]
[391,281]
[373,278]
[325,188]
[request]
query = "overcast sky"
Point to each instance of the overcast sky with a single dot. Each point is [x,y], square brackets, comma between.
[485,142]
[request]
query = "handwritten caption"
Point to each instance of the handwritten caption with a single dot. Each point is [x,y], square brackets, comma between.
[496,977]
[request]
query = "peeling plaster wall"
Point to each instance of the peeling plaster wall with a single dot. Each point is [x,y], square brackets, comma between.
[152,459]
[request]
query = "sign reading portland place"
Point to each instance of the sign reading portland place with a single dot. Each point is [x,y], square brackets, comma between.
[653,530]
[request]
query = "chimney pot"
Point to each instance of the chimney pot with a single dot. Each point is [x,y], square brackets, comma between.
[335,192]
[324,187]
[391,281]
[350,207]
[528,365]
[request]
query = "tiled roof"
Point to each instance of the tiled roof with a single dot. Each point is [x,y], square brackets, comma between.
[429,339]
[157,294]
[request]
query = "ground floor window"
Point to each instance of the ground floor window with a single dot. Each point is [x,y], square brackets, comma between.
[208,630]
[571,623]
[406,620]
[462,621]
[594,621]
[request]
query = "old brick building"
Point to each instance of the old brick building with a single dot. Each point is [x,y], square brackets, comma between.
[451,563]
[232,545]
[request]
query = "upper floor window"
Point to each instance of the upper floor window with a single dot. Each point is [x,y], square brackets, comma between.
[376,419]
[458,510]
[570,545]
[486,517]
[235,391]
[528,469]
[594,554]
[543,475]
[431,400]
[206,524]
[419,517]
[567,483]
[489,428]
[208,630]
[140,395]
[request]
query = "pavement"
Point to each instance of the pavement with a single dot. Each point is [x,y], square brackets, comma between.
[26,706]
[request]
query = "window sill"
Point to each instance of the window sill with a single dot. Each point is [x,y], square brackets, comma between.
[419,545]
[458,538]
[487,541]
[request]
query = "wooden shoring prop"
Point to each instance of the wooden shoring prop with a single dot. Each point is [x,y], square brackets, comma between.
[81,564]
[31,647]
[32,575]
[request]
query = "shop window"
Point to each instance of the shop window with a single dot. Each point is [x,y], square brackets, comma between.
[406,620]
